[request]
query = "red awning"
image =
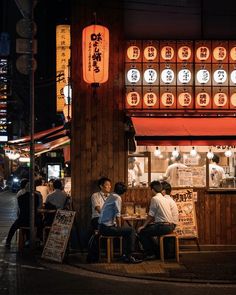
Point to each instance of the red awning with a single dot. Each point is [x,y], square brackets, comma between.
[185,131]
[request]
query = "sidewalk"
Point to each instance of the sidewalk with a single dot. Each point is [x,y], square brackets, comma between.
[203,266]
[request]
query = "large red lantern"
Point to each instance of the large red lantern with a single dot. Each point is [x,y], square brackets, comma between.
[95,48]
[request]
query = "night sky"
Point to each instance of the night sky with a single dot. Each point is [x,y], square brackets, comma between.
[47,15]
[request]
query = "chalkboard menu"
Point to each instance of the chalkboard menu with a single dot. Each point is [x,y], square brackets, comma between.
[187,227]
[59,234]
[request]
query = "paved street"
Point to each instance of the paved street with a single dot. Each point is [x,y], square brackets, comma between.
[27,274]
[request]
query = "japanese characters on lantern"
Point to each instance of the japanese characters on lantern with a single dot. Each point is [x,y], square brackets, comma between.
[95,48]
[183,74]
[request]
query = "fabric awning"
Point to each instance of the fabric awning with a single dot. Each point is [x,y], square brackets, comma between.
[185,131]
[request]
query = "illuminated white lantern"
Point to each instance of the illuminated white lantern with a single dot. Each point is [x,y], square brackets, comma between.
[203,53]
[150,99]
[184,53]
[203,76]
[220,76]
[167,76]
[228,152]
[150,53]
[150,76]
[210,155]
[133,52]
[167,99]
[185,99]
[203,99]
[167,52]
[133,98]
[220,99]
[184,76]
[233,76]
[233,99]
[133,75]
[233,53]
[219,53]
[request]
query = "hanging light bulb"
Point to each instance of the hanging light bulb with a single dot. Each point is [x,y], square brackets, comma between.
[175,153]
[193,152]
[210,155]
[228,152]
[157,152]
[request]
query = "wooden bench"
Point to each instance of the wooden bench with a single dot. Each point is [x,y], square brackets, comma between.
[161,239]
[110,246]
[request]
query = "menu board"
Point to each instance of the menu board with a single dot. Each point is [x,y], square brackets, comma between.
[185,177]
[59,234]
[187,227]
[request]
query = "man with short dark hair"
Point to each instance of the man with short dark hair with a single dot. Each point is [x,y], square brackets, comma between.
[110,222]
[98,199]
[216,172]
[172,174]
[159,221]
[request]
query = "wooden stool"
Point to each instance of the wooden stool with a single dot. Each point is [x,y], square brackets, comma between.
[110,246]
[162,254]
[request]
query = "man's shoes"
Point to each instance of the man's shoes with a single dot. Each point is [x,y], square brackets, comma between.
[131,259]
[150,257]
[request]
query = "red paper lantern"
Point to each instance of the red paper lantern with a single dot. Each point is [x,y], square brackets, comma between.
[95,48]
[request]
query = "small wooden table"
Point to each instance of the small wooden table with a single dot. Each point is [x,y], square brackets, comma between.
[134,220]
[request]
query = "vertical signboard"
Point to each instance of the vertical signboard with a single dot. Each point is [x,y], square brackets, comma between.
[63,54]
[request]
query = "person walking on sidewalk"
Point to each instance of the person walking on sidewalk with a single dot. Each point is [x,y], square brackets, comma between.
[160,221]
[110,223]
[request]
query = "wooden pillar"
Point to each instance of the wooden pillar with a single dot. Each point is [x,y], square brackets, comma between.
[98,136]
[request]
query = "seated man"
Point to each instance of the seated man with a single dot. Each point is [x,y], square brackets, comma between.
[110,222]
[56,200]
[161,218]
[23,219]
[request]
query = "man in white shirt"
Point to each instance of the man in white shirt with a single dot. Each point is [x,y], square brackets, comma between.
[98,199]
[134,172]
[160,220]
[216,172]
[172,175]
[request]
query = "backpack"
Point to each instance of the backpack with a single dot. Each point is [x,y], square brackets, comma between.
[93,252]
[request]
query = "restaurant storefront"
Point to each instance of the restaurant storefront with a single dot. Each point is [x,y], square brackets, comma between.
[162,98]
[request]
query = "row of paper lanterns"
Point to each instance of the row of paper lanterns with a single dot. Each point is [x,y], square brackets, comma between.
[203,53]
[185,99]
[203,76]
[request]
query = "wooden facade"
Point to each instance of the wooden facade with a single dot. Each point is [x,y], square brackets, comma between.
[98,132]
[215,213]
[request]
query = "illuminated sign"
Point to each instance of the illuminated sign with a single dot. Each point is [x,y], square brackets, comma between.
[179,74]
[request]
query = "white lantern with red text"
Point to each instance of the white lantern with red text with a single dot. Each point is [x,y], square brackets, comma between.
[233,99]
[95,48]
[233,76]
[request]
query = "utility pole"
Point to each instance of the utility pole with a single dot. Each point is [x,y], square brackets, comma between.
[32,126]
